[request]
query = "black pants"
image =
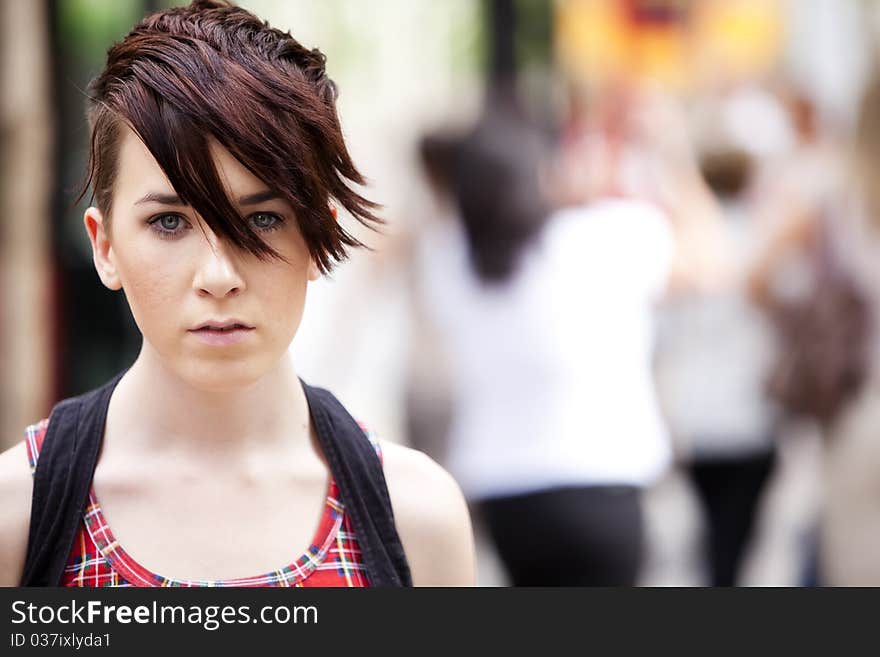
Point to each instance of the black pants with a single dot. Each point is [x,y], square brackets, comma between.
[579,536]
[730,491]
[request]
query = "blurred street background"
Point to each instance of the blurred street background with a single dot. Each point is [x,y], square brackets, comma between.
[722,155]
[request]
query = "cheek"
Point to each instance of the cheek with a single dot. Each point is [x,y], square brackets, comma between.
[283,286]
[284,292]
[149,285]
[281,290]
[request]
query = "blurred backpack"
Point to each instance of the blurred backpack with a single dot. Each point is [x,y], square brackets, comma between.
[824,357]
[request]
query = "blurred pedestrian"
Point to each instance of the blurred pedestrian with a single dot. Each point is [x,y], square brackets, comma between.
[546,317]
[716,346]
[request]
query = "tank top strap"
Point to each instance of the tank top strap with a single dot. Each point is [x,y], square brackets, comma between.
[373,437]
[34,435]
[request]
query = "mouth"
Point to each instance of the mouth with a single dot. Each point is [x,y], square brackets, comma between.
[223,327]
[223,333]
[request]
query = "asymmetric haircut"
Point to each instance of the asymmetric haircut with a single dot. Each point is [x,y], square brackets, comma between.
[213,70]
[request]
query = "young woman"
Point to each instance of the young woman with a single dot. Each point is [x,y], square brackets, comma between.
[216,160]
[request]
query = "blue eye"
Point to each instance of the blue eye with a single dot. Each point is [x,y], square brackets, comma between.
[168,226]
[172,226]
[163,222]
[266,221]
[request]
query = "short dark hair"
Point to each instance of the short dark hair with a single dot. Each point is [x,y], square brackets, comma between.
[212,69]
[491,174]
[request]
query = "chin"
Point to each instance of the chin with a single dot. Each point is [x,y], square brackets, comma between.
[224,375]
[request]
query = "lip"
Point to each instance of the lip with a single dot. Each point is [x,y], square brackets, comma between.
[208,333]
[221,323]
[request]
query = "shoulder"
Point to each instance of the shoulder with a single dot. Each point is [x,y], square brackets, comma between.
[16,487]
[431,516]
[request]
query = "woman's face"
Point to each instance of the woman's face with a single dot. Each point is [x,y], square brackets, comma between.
[178,276]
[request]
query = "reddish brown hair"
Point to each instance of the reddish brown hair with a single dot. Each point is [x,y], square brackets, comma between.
[211,69]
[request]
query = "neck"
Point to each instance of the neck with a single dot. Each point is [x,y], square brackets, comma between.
[156,409]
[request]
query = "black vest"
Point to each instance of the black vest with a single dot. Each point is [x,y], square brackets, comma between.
[70,453]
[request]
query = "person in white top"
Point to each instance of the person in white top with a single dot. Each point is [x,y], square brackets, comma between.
[553,365]
[546,319]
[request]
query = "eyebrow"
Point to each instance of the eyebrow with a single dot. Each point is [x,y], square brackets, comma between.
[174,199]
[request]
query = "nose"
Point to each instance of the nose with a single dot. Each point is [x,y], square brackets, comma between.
[217,274]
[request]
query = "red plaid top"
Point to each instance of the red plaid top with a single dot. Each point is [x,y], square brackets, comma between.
[97,558]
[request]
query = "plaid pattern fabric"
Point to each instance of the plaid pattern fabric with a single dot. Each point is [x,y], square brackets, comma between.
[97,559]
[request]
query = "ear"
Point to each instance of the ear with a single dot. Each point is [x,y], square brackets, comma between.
[102,252]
